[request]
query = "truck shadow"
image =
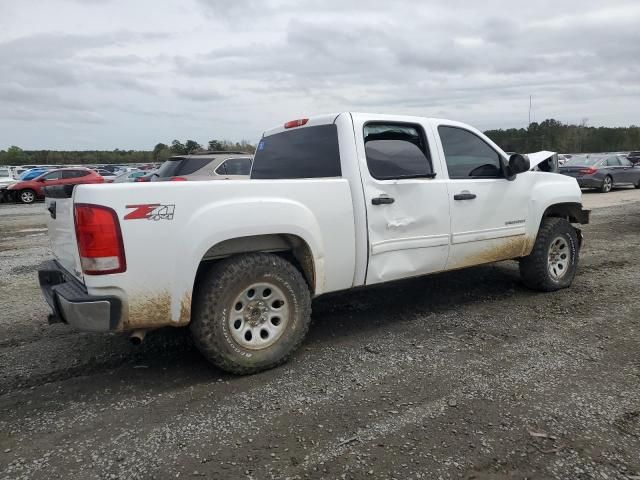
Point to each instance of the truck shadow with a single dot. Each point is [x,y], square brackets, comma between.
[168,359]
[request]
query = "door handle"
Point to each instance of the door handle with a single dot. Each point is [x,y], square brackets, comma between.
[382,200]
[464,196]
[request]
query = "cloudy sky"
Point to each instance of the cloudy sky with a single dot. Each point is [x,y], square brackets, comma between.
[85,74]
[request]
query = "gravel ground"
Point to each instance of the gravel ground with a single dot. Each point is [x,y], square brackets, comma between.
[465,374]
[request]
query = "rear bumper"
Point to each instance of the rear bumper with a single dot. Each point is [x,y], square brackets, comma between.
[589,182]
[70,302]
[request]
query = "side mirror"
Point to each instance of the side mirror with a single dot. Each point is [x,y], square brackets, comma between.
[517,164]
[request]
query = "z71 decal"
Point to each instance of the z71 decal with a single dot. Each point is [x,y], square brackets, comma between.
[151,211]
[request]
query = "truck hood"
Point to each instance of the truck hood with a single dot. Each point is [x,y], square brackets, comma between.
[538,157]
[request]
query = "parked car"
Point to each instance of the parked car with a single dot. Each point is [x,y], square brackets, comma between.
[634,157]
[334,202]
[213,165]
[602,172]
[108,175]
[27,191]
[129,176]
[6,179]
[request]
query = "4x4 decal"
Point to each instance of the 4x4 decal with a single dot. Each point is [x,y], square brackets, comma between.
[150,211]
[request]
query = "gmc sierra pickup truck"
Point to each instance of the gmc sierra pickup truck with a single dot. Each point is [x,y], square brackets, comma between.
[333,202]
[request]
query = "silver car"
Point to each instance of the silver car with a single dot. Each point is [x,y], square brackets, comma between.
[205,166]
[602,172]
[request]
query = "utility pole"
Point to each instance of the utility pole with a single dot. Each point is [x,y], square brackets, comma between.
[529,109]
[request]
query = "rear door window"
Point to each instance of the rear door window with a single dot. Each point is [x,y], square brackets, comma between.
[396,151]
[308,152]
[182,166]
[53,175]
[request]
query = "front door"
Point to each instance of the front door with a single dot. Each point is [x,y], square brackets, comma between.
[406,200]
[489,213]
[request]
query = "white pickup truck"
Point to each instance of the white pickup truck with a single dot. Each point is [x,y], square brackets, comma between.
[334,202]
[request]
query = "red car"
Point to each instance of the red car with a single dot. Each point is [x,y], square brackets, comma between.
[28,191]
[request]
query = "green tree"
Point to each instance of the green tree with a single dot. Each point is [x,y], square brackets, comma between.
[177,148]
[215,145]
[192,146]
[158,149]
[14,156]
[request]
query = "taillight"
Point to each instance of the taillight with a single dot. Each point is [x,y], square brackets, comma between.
[588,171]
[143,179]
[99,240]
[178,179]
[296,123]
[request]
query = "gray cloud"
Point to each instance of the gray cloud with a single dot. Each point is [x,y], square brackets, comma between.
[261,62]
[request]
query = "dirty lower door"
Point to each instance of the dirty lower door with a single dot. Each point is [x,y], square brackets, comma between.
[489,213]
[407,204]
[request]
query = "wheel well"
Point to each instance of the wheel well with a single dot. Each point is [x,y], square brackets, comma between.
[572,212]
[290,247]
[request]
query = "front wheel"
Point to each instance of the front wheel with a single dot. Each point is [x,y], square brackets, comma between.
[27,196]
[552,263]
[251,312]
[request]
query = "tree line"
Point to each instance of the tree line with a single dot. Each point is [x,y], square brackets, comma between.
[550,135]
[16,156]
[560,137]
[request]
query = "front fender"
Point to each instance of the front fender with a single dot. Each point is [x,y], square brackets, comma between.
[550,189]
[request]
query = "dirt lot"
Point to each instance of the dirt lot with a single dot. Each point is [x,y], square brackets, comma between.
[459,375]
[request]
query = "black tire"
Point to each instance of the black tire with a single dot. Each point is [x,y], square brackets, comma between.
[534,268]
[27,196]
[214,300]
[607,184]
[637,185]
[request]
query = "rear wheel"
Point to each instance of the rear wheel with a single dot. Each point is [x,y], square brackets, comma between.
[27,196]
[552,263]
[607,184]
[251,312]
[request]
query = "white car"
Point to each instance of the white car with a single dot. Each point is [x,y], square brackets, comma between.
[334,202]
[6,179]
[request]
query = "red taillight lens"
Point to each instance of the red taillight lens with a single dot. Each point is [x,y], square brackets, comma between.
[143,179]
[296,123]
[178,179]
[588,171]
[99,240]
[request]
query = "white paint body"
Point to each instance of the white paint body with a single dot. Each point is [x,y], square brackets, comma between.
[353,242]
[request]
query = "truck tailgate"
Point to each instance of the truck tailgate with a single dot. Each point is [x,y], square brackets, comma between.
[60,222]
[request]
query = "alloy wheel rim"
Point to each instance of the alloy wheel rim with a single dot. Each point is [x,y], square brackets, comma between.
[27,196]
[607,184]
[258,316]
[559,258]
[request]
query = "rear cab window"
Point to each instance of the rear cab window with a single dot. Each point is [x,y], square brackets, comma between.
[306,152]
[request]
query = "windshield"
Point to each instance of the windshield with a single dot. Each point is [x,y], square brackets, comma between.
[582,161]
[31,174]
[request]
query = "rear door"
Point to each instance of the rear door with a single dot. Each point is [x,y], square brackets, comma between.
[406,199]
[629,173]
[489,213]
[613,167]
